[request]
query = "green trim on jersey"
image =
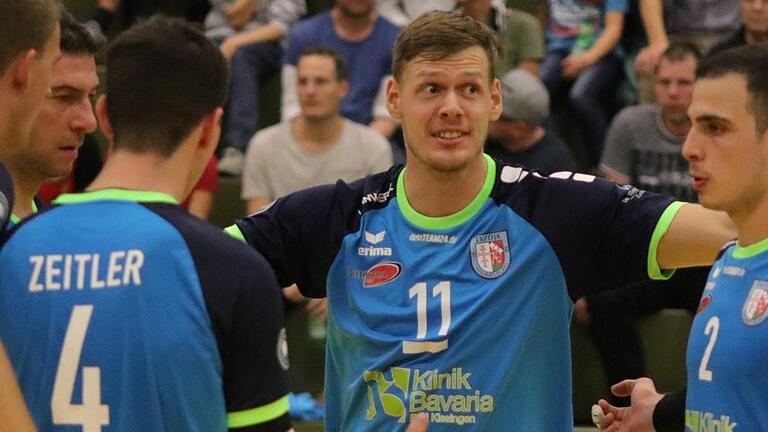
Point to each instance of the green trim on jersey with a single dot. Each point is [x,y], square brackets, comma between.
[16,220]
[450,221]
[743,252]
[654,271]
[114,194]
[234,231]
[258,415]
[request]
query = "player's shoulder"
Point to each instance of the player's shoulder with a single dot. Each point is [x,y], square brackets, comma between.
[208,244]
[636,115]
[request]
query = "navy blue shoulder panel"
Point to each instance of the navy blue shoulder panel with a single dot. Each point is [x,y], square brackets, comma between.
[600,231]
[245,306]
[300,234]
[6,197]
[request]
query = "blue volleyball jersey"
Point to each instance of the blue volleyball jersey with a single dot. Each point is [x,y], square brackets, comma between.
[465,317]
[727,379]
[122,312]
[6,197]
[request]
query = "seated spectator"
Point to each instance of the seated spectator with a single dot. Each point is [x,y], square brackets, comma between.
[518,136]
[127,12]
[519,32]
[644,142]
[753,30]
[402,12]
[250,34]
[365,42]
[644,148]
[582,57]
[318,146]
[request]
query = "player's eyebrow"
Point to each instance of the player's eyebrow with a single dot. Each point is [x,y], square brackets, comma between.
[66,88]
[711,118]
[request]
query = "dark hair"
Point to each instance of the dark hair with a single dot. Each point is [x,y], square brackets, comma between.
[750,61]
[326,51]
[75,38]
[438,34]
[25,25]
[679,51]
[163,78]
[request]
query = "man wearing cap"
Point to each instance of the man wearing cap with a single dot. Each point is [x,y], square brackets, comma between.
[518,136]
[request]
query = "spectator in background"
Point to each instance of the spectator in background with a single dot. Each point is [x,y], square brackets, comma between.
[753,30]
[519,32]
[643,148]
[250,34]
[365,42]
[643,144]
[318,146]
[402,12]
[582,57]
[127,12]
[64,119]
[518,136]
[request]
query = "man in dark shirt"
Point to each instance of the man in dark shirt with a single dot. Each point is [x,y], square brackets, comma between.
[754,28]
[518,136]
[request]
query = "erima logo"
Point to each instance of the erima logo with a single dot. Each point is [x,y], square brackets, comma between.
[374,251]
[375,238]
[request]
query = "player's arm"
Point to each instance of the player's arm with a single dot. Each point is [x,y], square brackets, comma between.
[694,237]
[12,409]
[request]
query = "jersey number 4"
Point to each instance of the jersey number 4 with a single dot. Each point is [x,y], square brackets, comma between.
[419,290]
[90,414]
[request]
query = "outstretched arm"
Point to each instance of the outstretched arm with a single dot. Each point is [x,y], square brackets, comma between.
[694,237]
[12,409]
[638,417]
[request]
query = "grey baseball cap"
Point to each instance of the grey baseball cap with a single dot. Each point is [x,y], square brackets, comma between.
[524,97]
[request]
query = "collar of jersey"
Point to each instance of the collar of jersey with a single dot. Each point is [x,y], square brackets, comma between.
[16,220]
[751,250]
[450,221]
[114,194]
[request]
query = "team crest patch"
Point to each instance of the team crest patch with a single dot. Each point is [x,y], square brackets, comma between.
[755,308]
[490,254]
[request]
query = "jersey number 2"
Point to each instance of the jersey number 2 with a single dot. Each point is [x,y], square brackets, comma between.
[713,326]
[90,414]
[419,290]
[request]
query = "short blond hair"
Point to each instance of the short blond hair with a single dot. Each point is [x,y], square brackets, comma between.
[438,34]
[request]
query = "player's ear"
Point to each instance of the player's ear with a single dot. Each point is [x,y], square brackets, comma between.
[211,128]
[496,106]
[393,99]
[101,115]
[20,69]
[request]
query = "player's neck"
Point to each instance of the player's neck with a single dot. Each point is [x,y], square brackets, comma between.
[435,194]
[143,172]
[24,189]
[317,134]
[750,222]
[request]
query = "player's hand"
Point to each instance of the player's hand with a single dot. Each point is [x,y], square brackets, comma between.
[581,311]
[317,308]
[638,417]
[418,423]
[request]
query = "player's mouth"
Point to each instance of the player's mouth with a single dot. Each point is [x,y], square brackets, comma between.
[698,181]
[452,136]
